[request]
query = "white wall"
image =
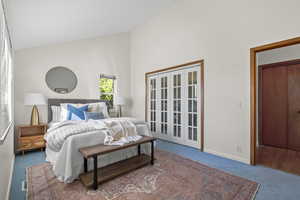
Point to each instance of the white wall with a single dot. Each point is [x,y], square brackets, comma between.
[279,55]
[221,33]
[87,58]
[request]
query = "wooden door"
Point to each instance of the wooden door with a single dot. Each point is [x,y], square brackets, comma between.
[274,103]
[294,107]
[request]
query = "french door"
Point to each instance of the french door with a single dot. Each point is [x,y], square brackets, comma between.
[174,105]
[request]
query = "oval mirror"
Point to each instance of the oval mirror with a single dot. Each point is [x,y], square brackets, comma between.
[61,80]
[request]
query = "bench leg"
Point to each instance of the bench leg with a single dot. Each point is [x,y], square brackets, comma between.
[152,152]
[139,149]
[95,184]
[85,165]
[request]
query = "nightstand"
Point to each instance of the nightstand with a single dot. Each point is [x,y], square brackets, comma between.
[31,137]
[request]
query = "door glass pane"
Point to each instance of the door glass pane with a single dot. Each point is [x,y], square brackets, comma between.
[174,131]
[195,134]
[174,105]
[175,118]
[174,80]
[190,119]
[190,91]
[166,93]
[179,131]
[166,130]
[190,77]
[194,91]
[195,77]
[190,106]
[195,106]
[175,93]
[195,120]
[166,105]
[190,133]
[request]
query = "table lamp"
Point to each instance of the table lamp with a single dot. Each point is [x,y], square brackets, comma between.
[34,99]
[119,101]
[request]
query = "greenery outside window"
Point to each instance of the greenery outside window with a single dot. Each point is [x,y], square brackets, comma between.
[107,88]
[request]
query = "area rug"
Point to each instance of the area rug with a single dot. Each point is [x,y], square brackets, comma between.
[171,178]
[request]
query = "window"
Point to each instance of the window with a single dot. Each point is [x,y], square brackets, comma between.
[5,78]
[107,88]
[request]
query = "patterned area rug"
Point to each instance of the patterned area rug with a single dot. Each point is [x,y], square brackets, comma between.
[171,178]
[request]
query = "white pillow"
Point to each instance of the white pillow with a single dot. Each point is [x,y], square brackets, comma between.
[55,113]
[99,107]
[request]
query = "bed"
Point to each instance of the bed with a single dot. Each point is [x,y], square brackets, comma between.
[67,163]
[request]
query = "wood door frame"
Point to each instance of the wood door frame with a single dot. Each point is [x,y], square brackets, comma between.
[253,88]
[201,63]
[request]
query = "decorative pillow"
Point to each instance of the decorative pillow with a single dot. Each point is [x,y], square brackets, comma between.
[99,107]
[64,110]
[76,113]
[56,110]
[93,115]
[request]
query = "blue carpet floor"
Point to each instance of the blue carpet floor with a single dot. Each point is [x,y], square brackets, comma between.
[274,184]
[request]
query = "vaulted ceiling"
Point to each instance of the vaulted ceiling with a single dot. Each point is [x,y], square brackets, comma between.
[42,22]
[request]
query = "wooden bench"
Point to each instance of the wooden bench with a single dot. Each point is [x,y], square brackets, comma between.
[93,178]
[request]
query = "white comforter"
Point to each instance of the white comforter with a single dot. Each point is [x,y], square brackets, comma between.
[68,162]
[117,131]
[57,135]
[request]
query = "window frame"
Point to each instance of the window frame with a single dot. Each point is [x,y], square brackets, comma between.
[6,54]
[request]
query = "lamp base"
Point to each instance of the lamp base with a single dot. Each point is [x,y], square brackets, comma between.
[120,111]
[34,116]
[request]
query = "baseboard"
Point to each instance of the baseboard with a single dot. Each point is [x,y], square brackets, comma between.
[10,177]
[229,156]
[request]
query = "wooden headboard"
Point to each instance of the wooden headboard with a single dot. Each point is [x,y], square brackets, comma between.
[57,102]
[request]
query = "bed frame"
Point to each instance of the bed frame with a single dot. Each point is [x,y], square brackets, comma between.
[57,102]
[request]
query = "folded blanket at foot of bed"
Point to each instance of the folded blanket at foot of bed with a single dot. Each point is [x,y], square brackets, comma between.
[120,132]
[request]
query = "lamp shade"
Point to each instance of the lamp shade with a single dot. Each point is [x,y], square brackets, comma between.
[34,99]
[119,101]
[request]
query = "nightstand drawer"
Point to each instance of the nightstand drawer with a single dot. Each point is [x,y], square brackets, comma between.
[31,131]
[31,142]
[38,141]
[25,143]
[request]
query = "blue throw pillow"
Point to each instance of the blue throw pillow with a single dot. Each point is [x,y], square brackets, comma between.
[76,113]
[93,115]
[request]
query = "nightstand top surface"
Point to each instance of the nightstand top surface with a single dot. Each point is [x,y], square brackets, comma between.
[29,126]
